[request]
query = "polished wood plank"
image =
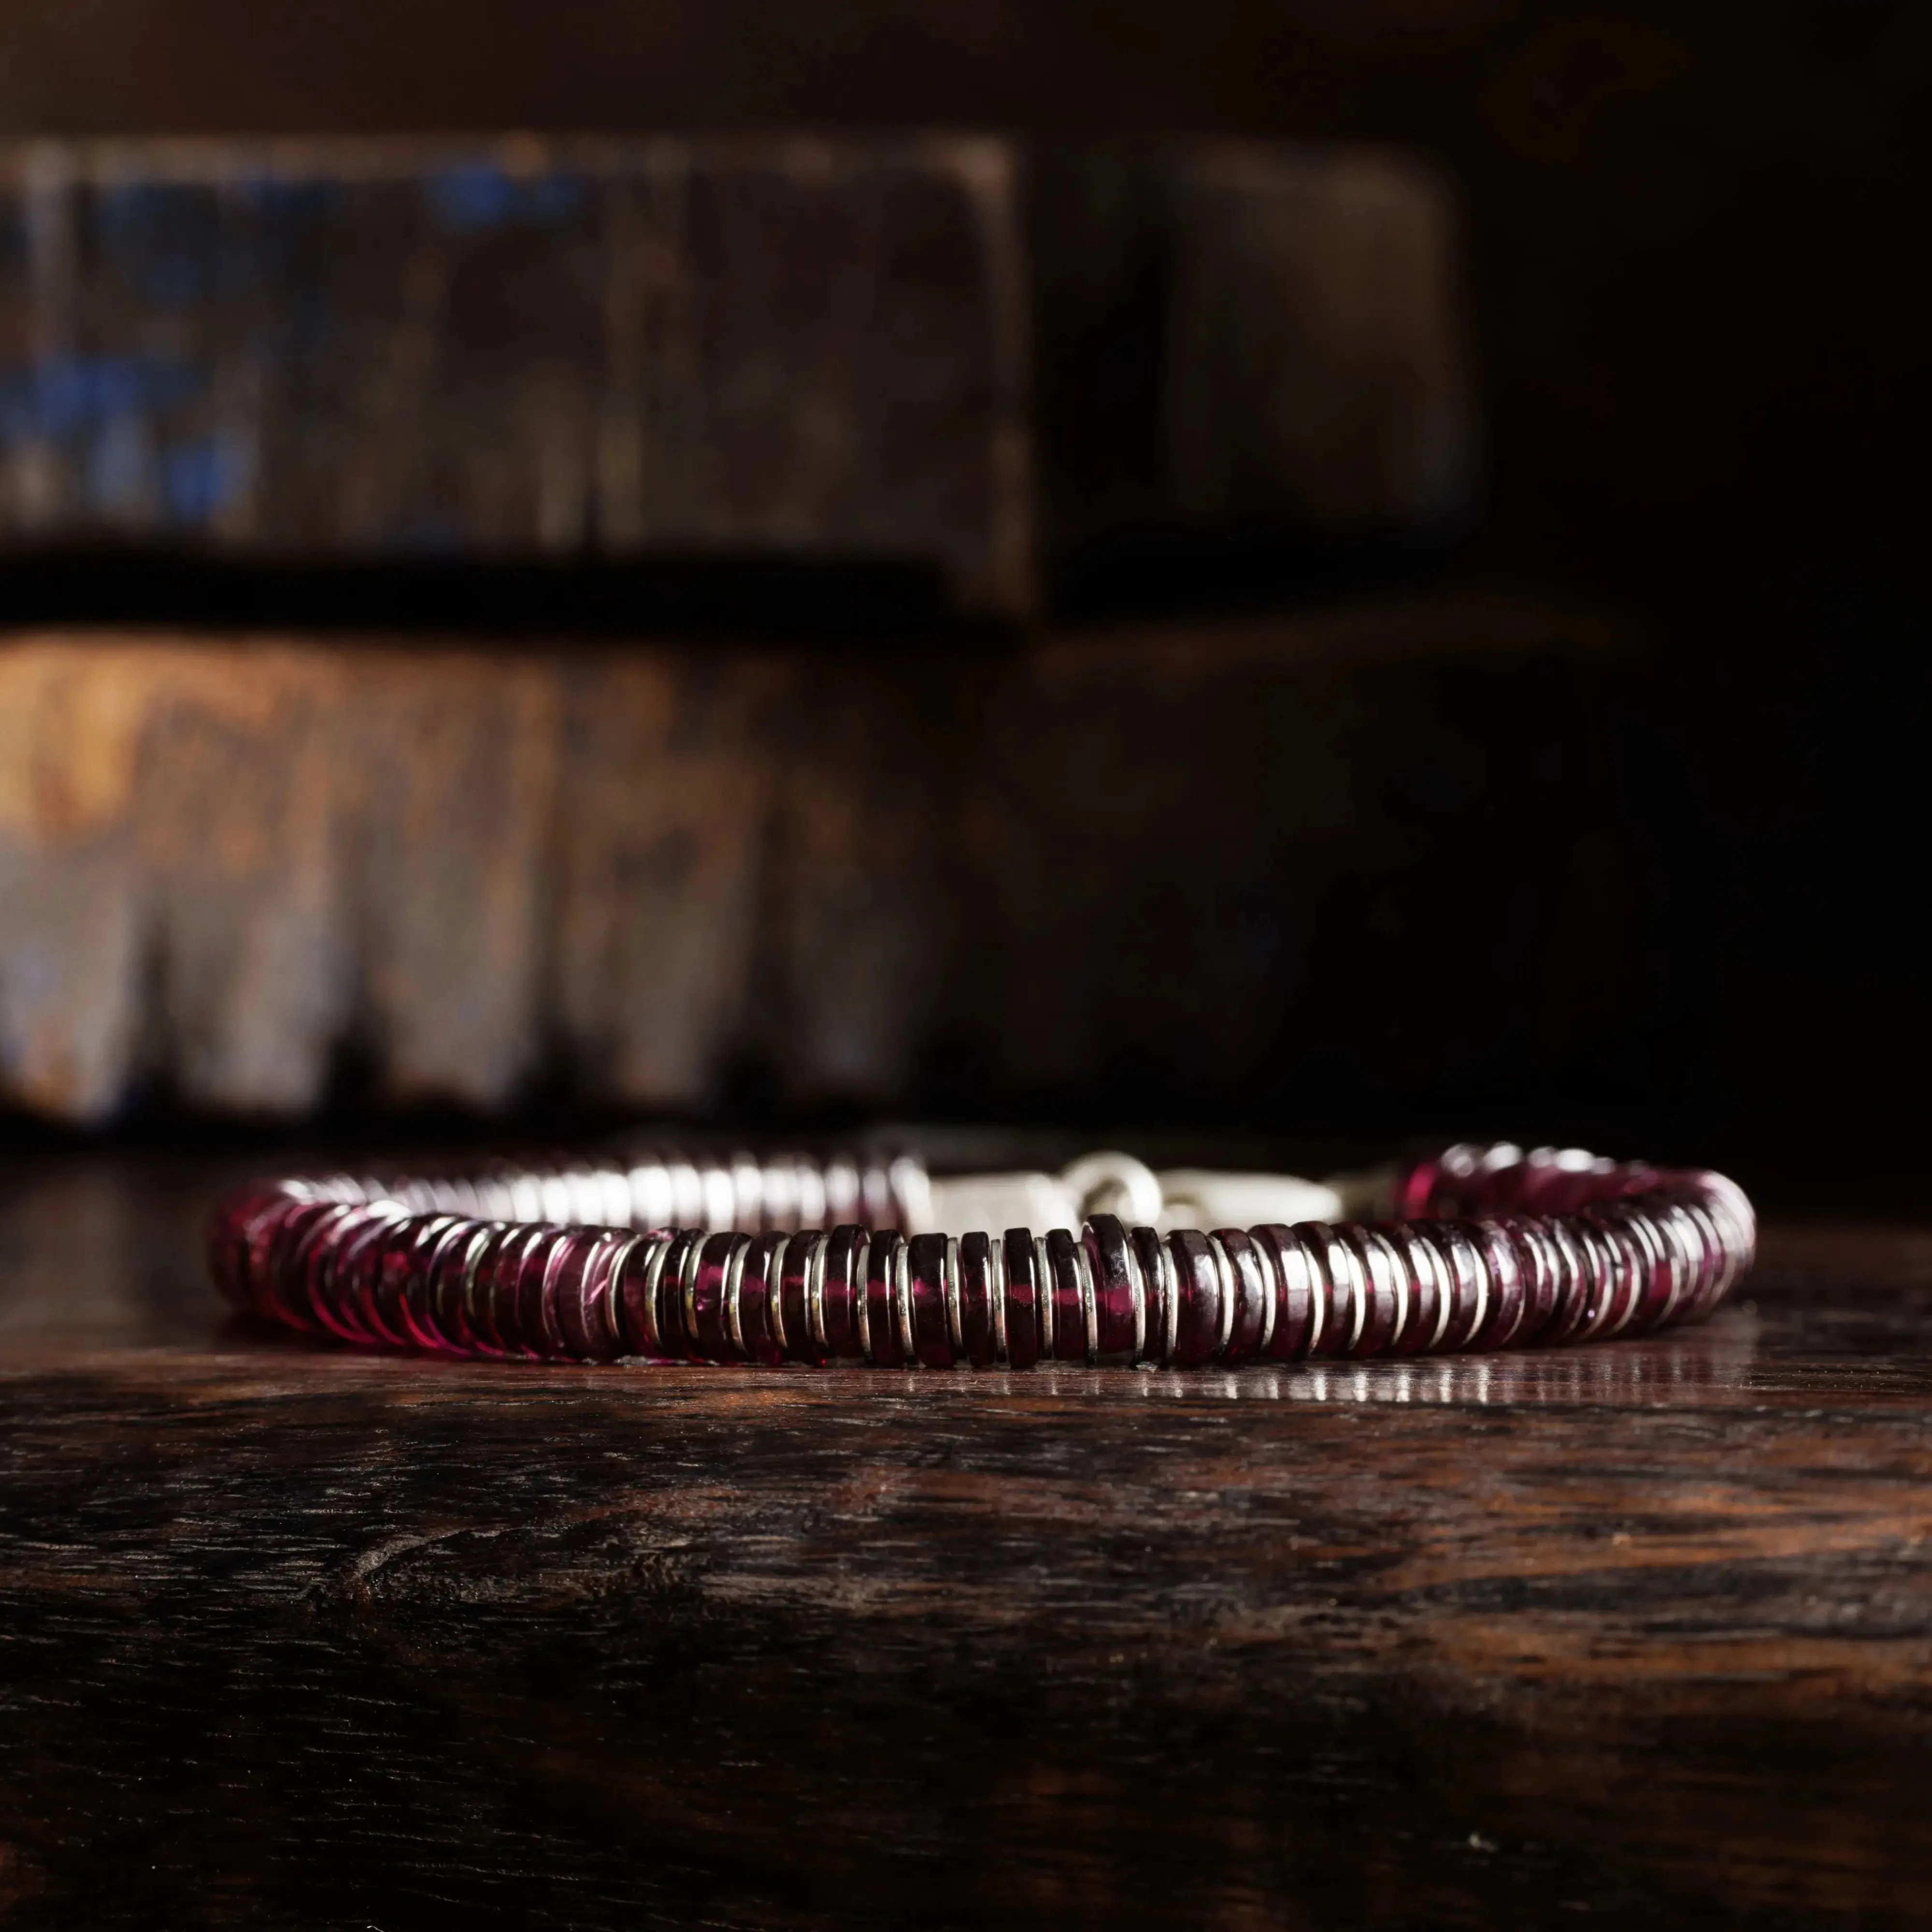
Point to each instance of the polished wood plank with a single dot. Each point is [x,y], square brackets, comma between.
[290,1635]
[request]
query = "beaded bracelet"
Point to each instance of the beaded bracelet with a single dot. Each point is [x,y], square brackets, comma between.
[788,1261]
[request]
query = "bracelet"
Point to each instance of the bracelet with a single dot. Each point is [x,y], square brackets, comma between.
[670,1259]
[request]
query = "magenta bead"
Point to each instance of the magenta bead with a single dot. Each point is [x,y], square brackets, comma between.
[1340,1285]
[1151,1259]
[925,1268]
[976,1324]
[1662,1272]
[1573,1282]
[1067,1278]
[281,1291]
[582,1292]
[1198,1298]
[1382,1297]
[1118,1312]
[1286,1256]
[676,1294]
[446,1302]
[1246,1276]
[1467,1281]
[883,1308]
[500,1304]
[802,1342]
[437,1234]
[355,1256]
[844,1292]
[1508,1301]
[1426,1281]
[761,1320]
[1023,1298]
[706,1316]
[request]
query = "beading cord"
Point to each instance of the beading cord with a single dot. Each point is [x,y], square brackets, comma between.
[1484,1247]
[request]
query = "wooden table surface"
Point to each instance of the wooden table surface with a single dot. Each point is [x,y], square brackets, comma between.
[292,1637]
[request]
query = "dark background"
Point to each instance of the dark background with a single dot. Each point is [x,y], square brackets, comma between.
[1695,237]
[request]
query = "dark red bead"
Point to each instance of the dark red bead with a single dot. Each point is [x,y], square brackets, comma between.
[1615,1272]
[250,1224]
[1200,1303]
[1072,1328]
[1573,1282]
[420,1308]
[309,1263]
[1508,1301]
[489,1283]
[1542,1271]
[705,1309]
[499,1303]
[886,1313]
[582,1290]
[537,1290]
[678,1295]
[450,1276]
[1251,1320]
[1156,1270]
[636,1278]
[381,1285]
[841,1299]
[279,1279]
[1701,1240]
[271,1236]
[926,1271]
[1415,1190]
[351,1281]
[976,1291]
[760,1318]
[1662,1270]
[1426,1283]
[1383,1285]
[1467,1280]
[797,1283]
[1120,1303]
[1296,1302]
[1340,1284]
[1024,1300]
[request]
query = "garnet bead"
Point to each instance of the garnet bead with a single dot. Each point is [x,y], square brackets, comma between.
[979,1337]
[926,1267]
[1023,1298]
[840,1318]
[1198,1314]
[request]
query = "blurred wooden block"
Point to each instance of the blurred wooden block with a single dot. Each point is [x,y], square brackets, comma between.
[341,348]
[692,349]
[1241,338]
[1224,855]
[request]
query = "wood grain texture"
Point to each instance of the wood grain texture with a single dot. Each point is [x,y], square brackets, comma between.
[226,864]
[521,348]
[794,348]
[292,1637]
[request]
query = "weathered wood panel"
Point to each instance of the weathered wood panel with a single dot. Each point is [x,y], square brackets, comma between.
[797,349]
[289,1636]
[521,348]
[227,864]
[1241,340]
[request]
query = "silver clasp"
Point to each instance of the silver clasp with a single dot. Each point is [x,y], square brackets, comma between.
[1111,1183]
